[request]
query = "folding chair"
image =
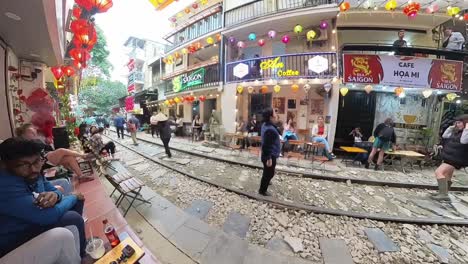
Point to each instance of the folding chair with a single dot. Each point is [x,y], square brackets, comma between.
[128,186]
[86,166]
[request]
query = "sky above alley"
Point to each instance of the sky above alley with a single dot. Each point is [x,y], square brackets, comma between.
[137,18]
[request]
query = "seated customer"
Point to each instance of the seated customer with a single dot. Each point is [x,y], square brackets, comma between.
[29,204]
[61,156]
[96,144]
[55,246]
[320,134]
[289,133]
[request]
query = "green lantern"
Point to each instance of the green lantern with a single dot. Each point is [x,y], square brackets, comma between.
[298,29]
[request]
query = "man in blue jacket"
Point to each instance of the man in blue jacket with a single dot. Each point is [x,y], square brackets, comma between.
[29,204]
[119,123]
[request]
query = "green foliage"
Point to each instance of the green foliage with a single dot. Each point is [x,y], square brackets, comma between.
[100,54]
[100,94]
[68,116]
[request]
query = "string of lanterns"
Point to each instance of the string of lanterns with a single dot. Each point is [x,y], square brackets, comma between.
[190,9]
[400,92]
[84,38]
[411,10]
[311,35]
[192,48]
[182,99]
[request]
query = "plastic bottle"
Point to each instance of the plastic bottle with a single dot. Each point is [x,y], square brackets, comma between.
[110,233]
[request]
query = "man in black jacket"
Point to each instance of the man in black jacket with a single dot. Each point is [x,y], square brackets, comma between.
[271,148]
[385,139]
[163,125]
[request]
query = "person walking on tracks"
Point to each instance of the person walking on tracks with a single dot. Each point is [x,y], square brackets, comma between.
[154,123]
[385,139]
[119,123]
[271,148]
[454,156]
[133,126]
[163,125]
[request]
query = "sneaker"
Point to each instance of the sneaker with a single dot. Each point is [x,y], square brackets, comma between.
[333,155]
[377,167]
[366,164]
[441,197]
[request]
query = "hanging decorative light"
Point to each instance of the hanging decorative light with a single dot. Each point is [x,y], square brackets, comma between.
[77,64]
[81,55]
[368,88]
[399,90]
[68,70]
[327,87]
[95,6]
[295,88]
[252,36]
[177,100]
[250,89]
[453,10]
[271,34]
[232,39]
[431,9]
[184,51]
[323,24]
[411,10]
[451,96]
[198,45]
[465,17]
[427,93]
[264,89]
[76,12]
[240,89]
[277,88]
[85,36]
[187,10]
[391,5]
[344,91]
[218,37]
[202,98]
[210,41]
[285,39]
[311,34]
[307,88]
[240,44]
[261,42]
[57,72]
[298,29]
[344,6]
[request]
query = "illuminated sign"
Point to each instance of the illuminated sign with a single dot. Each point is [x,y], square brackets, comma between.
[241,70]
[318,64]
[185,81]
[277,65]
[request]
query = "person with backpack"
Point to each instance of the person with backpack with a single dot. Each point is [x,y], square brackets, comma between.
[133,126]
[385,139]
[454,156]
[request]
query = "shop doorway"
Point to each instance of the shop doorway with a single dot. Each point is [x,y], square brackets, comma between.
[195,109]
[358,111]
[258,102]
[209,106]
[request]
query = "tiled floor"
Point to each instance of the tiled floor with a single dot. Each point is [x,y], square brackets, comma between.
[98,206]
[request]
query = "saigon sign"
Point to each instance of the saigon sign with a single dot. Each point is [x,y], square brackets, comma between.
[187,80]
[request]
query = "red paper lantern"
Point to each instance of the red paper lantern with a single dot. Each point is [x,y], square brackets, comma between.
[261,42]
[192,98]
[78,25]
[412,9]
[465,17]
[202,98]
[80,55]
[95,6]
[68,71]
[194,5]
[76,12]
[57,72]
[85,37]
[78,64]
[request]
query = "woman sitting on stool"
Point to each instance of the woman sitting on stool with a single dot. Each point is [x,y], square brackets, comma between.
[320,134]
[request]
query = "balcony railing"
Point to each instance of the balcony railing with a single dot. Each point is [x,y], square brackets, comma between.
[261,8]
[204,77]
[304,65]
[196,30]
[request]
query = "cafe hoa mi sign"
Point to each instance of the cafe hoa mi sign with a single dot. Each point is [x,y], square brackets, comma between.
[276,64]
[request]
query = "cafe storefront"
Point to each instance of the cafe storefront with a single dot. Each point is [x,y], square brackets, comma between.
[300,86]
[410,90]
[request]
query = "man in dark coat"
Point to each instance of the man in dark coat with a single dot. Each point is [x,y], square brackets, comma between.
[163,125]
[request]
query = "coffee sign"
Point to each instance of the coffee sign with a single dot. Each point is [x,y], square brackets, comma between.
[276,64]
[187,80]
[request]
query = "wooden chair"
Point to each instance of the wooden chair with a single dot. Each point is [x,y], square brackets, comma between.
[303,134]
[128,186]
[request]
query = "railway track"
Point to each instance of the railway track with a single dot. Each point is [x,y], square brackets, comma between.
[311,175]
[288,193]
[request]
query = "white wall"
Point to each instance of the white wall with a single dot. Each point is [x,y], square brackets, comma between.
[228,105]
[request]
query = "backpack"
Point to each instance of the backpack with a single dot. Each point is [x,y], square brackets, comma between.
[386,133]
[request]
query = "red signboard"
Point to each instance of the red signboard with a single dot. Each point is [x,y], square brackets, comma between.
[410,72]
[129,103]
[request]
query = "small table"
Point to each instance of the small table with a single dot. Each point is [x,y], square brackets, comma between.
[115,253]
[408,155]
[351,150]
